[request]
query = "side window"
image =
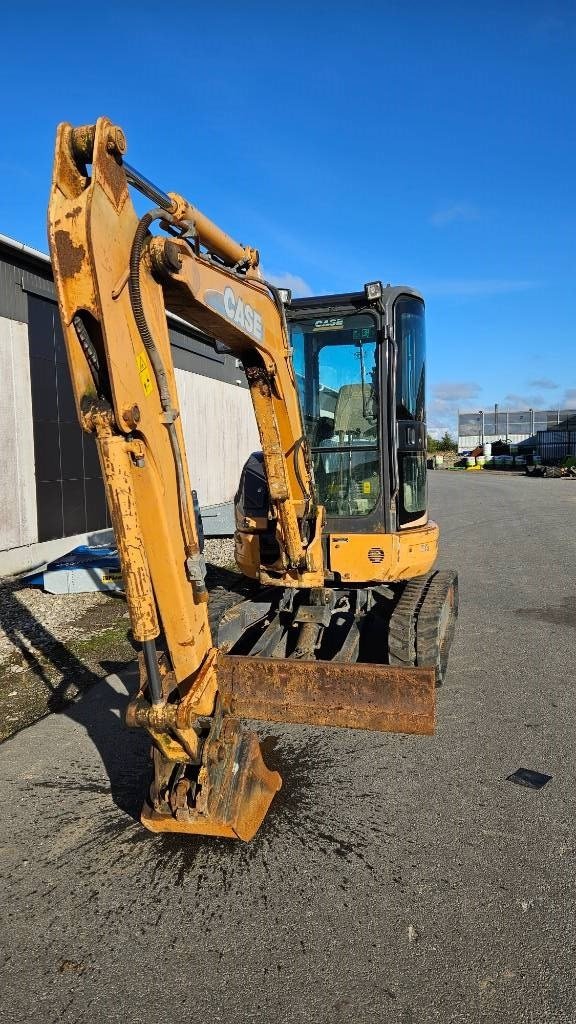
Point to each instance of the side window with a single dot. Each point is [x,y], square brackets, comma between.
[414,483]
[410,335]
[298,360]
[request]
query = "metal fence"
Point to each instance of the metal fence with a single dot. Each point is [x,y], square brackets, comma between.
[555,445]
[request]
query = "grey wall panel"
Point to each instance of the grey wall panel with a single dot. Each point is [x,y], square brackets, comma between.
[21,270]
[17,490]
[196,356]
[37,284]
[220,433]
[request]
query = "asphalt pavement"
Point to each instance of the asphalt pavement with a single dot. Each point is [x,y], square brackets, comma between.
[395,879]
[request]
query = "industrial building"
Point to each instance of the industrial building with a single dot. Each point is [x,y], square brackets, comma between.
[535,429]
[52,494]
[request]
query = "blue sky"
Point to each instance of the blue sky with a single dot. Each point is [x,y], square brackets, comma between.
[432,145]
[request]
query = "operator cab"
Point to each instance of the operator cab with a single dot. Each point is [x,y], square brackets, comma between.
[359,360]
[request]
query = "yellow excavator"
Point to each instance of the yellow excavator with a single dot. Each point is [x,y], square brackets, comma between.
[351,626]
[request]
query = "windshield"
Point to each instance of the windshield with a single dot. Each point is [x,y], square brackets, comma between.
[335,360]
[410,337]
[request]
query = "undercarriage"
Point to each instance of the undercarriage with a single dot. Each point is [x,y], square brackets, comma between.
[404,624]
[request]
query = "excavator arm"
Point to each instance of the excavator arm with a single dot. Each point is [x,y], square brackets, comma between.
[247,315]
[115,280]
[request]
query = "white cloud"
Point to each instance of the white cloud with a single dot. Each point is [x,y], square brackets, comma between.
[516,401]
[441,417]
[469,288]
[455,390]
[297,285]
[456,211]
[442,411]
[543,382]
[568,399]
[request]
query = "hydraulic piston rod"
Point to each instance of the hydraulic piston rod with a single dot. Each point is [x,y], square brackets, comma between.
[148,188]
[210,235]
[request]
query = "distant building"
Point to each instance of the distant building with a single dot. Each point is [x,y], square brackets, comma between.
[512,427]
[52,495]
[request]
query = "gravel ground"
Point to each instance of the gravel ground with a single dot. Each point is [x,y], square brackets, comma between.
[220,552]
[52,646]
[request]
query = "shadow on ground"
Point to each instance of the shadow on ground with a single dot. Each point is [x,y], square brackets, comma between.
[56,681]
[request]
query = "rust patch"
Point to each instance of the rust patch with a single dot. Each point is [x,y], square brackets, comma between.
[70,256]
[384,698]
[73,213]
[116,181]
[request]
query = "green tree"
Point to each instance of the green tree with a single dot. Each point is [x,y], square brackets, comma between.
[447,443]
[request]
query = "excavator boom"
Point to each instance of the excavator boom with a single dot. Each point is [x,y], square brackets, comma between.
[115,280]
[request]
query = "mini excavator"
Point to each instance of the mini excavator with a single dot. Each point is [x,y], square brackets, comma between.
[351,626]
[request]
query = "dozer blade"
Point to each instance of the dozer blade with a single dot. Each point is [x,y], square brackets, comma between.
[235,788]
[383,698]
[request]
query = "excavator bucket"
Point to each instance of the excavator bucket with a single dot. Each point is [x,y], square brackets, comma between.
[234,788]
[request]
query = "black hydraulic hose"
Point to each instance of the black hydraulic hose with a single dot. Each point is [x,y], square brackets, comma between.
[88,349]
[279,305]
[152,671]
[297,448]
[138,308]
[158,366]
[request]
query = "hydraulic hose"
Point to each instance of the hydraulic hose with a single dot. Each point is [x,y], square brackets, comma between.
[152,671]
[138,308]
[170,414]
[310,497]
[88,349]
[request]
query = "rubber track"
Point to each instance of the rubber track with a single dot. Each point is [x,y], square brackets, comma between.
[402,624]
[413,629]
[429,650]
[219,602]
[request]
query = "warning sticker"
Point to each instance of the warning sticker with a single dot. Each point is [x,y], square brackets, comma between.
[144,373]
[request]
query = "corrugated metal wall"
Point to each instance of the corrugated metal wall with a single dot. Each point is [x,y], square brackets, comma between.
[220,432]
[13,301]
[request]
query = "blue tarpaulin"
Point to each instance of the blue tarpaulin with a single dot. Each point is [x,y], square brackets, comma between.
[80,571]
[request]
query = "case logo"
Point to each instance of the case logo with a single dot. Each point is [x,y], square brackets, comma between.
[331,323]
[241,313]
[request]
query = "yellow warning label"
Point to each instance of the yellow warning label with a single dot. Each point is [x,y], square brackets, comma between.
[366,487]
[111,577]
[144,373]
